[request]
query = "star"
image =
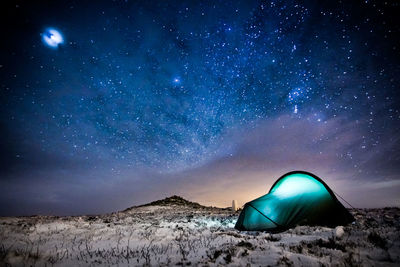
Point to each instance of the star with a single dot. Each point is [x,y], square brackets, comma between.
[176,80]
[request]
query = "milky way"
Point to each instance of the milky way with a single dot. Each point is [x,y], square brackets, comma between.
[144,99]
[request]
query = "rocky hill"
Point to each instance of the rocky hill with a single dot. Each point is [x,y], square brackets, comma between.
[172,201]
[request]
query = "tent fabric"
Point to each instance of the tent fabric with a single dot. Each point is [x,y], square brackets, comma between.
[296,198]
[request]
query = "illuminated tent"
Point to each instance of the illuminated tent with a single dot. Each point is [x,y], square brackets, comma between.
[296,198]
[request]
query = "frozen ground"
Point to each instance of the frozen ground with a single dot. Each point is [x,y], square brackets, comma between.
[177,232]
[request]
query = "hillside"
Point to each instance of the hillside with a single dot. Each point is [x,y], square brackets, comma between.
[172,201]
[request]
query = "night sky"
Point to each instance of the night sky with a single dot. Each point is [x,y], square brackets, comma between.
[210,100]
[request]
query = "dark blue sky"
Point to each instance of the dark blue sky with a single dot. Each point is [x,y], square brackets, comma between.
[211,100]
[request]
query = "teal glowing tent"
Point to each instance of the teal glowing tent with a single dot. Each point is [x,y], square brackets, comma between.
[296,198]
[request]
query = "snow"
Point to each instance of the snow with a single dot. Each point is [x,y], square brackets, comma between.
[164,235]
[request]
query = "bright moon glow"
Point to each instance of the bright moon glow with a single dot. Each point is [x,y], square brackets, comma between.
[52,38]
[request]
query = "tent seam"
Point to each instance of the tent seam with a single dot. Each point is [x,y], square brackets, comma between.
[264,215]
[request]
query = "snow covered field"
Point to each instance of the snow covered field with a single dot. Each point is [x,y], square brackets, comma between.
[177,232]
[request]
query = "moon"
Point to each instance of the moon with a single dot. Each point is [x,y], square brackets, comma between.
[52,38]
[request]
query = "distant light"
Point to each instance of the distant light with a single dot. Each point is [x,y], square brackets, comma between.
[52,38]
[295,109]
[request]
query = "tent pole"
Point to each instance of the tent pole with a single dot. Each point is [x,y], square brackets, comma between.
[343,199]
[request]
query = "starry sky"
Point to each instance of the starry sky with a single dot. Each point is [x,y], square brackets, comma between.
[210,100]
